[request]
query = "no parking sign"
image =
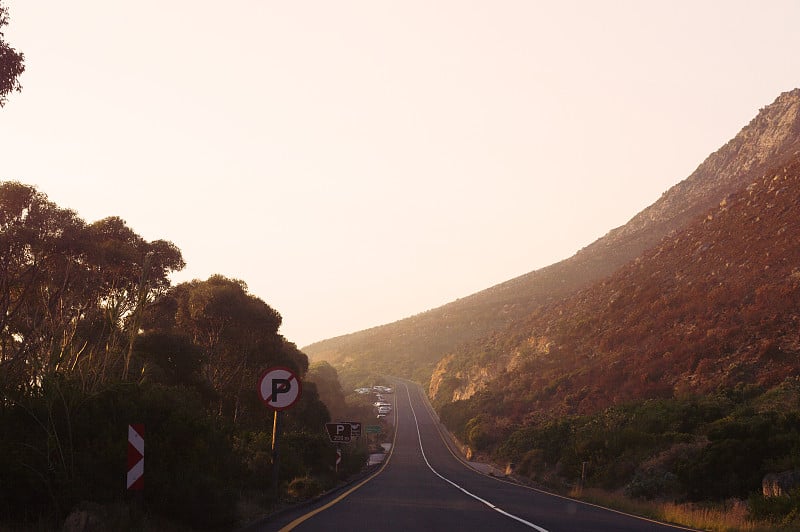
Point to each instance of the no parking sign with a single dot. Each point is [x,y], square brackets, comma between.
[279,388]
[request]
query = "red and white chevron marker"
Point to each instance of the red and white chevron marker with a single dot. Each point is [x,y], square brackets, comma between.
[136,456]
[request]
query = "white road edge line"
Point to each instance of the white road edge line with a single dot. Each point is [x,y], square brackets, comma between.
[484,501]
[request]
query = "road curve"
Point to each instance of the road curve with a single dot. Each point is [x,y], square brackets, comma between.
[424,487]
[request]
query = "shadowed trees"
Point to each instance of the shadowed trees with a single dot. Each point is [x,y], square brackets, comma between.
[236,333]
[93,336]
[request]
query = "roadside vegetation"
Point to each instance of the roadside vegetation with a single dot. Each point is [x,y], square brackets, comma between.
[94,337]
[690,460]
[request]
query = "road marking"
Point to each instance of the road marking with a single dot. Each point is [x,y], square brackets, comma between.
[341,497]
[445,440]
[484,501]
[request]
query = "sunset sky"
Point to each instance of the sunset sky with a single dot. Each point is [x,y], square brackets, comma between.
[358,162]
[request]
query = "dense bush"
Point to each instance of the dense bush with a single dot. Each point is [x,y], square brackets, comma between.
[740,451]
[691,448]
[779,510]
[94,337]
[63,446]
[304,488]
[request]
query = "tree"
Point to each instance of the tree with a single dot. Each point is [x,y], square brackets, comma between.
[133,272]
[237,332]
[12,63]
[43,283]
[71,295]
[326,379]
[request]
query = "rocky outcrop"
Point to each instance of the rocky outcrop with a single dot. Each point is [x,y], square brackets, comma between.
[780,484]
[86,517]
[771,137]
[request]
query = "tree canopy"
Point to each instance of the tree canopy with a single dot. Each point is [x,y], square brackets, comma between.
[71,293]
[94,336]
[12,63]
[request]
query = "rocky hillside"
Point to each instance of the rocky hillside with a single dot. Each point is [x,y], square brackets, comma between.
[716,304]
[413,346]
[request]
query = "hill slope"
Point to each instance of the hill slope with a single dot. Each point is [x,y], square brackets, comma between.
[714,305]
[411,347]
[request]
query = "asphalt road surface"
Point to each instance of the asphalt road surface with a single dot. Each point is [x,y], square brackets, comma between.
[424,487]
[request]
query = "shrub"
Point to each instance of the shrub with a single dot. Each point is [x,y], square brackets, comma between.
[478,433]
[651,484]
[304,488]
[531,464]
[783,510]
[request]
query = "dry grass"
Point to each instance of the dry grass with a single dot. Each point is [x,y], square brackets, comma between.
[728,517]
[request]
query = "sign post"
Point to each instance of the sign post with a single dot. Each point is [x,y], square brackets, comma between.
[279,389]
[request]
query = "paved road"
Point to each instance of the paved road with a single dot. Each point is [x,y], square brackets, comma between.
[424,487]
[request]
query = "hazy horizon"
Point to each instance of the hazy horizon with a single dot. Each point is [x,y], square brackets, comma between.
[356,163]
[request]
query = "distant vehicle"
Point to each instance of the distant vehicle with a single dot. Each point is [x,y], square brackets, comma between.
[363,391]
[382,389]
[381,416]
[381,403]
[384,409]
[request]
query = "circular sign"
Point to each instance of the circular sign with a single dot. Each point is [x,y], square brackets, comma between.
[279,388]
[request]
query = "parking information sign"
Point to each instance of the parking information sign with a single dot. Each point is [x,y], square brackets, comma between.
[339,432]
[279,388]
[355,429]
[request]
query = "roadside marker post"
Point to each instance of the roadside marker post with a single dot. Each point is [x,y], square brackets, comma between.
[135,477]
[279,389]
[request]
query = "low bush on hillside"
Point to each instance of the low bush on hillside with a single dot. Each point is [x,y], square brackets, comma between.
[708,448]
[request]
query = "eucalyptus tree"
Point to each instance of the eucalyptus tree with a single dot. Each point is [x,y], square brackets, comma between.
[237,331]
[131,273]
[72,294]
[43,282]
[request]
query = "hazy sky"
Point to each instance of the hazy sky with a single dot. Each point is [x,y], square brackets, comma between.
[359,162]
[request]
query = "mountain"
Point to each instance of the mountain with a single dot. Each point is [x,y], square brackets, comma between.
[412,347]
[714,305]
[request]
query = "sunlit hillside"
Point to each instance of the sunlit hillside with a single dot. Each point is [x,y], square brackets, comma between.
[714,305]
[676,378]
[413,346]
